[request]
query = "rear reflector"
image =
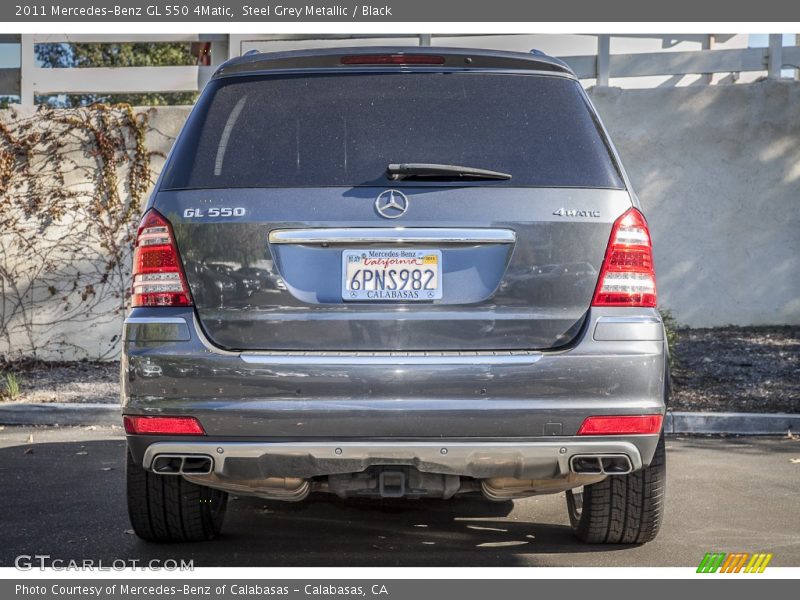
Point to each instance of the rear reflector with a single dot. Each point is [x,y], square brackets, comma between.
[163,425]
[622,425]
[158,278]
[627,277]
[392,59]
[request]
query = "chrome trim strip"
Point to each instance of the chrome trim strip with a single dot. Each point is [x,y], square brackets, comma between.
[395,235]
[155,321]
[478,459]
[391,359]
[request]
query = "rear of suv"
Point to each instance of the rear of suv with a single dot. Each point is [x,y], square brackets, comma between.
[383,272]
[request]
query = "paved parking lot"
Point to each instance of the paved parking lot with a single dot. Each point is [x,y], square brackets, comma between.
[63,495]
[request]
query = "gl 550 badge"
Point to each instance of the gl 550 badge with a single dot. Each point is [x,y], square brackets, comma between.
[214,212]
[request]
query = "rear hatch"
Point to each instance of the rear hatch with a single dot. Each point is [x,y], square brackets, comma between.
[296,234]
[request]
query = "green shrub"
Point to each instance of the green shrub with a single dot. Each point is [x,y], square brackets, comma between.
[670,327]
[10,386]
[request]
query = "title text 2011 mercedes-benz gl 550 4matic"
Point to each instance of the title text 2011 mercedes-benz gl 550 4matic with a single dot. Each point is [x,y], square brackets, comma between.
[388,273]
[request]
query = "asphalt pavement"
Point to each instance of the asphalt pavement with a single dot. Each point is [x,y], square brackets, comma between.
[63,494]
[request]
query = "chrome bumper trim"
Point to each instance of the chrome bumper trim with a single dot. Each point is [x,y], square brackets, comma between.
[391,358]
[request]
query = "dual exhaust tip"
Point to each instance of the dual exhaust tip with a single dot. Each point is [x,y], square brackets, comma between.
[600,464]
[182,464]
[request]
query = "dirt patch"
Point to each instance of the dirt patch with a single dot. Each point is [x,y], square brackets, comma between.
[737,369]
[66,381]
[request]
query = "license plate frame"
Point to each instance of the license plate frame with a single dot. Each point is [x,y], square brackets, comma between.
[394,287]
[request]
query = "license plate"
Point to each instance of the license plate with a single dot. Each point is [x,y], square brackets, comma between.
[392,274]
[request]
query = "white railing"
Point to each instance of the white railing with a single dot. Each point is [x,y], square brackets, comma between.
[604,65]
[30,80]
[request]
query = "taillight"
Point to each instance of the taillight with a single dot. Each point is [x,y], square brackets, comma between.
[392,59]
[163,425]
[621,425]
[158,278]
[627,277]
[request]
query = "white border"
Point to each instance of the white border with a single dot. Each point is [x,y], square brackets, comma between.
[339,573]
[386,573]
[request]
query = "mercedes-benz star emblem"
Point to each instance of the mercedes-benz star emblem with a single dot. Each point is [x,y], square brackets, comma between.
[391,204]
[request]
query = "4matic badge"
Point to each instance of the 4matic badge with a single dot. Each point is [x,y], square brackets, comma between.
[571,212]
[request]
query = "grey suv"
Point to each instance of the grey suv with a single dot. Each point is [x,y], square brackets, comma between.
[386,272]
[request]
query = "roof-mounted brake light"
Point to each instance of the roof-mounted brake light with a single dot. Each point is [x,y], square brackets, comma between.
[392,59]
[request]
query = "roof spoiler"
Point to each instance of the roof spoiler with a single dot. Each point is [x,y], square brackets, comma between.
[348,58]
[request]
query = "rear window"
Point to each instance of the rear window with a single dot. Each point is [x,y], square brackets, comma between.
[343,130]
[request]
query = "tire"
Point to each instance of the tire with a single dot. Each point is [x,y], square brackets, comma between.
[167,508]
[622,509]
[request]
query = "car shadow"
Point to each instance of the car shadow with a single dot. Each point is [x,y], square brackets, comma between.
[68,500]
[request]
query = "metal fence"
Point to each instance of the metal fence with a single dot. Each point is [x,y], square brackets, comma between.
[29,80]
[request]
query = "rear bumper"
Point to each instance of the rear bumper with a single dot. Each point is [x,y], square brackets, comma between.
[541,459]
[535,400]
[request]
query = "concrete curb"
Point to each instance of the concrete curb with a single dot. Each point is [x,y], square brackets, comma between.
[59,413]
[732,423]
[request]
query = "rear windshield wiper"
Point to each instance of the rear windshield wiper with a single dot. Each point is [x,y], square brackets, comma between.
[420,170]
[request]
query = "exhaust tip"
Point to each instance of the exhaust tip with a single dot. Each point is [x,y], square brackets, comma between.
[601,464]
[177,464]
[587,465]
[616,465]
[167,465]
